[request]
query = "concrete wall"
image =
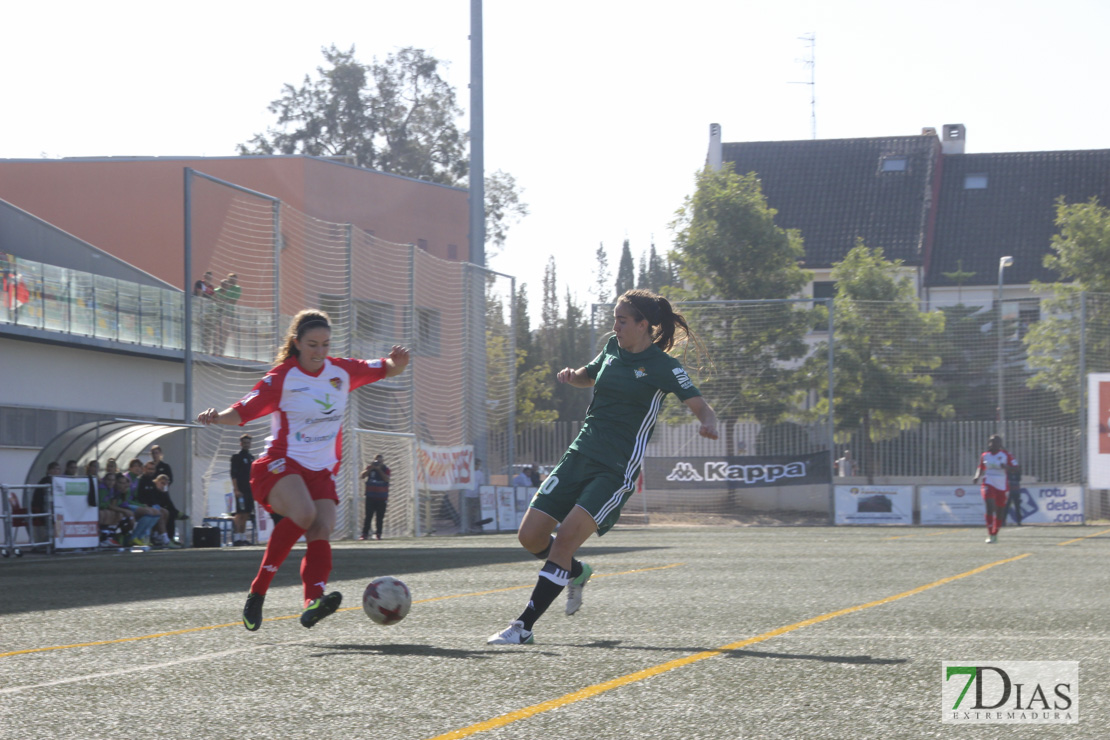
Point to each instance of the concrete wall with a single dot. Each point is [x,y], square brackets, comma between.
[74,379]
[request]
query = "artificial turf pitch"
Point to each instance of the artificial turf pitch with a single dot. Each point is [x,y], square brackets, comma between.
[811,632]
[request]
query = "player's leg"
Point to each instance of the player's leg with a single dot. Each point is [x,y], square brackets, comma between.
[317,562]
[557,570]
[289,497]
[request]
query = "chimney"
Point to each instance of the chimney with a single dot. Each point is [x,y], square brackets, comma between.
[953,139]
[716,156]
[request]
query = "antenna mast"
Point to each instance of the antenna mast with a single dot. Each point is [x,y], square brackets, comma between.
[811,42]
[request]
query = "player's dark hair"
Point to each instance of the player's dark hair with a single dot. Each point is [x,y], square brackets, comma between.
[668,327]
[309,318]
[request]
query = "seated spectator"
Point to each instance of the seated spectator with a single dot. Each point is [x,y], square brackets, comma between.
[111,466]
[134,472]
[71,468]
[154,491]
[145,518]
[110,514]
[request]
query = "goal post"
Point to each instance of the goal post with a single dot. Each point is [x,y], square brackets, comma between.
[398,450]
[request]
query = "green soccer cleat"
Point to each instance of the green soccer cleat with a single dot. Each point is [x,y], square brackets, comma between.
[320,608]
[252,612]
[574,589]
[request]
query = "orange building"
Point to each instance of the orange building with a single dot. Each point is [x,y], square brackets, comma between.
[133,208]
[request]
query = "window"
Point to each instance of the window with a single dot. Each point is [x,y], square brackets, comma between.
[1029,313]
[975,181]
[427,332]
[894,164]
[823,289]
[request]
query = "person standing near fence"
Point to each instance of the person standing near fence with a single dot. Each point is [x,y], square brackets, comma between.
[241,490]
[597,474]
[377,496]
[305,395]
[994,468]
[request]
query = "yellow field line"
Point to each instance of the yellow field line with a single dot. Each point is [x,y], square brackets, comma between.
[923,534]
[1084,537]
[601,688]
[295,616]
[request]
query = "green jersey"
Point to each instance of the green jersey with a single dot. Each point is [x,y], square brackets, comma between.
[628,394]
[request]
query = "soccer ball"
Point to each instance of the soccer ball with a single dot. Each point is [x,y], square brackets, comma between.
[386,600]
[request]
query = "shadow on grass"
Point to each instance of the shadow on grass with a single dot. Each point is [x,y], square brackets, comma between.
[102,578]
[857,659]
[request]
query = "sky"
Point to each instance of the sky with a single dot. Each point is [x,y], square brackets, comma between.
[599,109]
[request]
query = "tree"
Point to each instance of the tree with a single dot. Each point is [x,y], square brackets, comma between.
[642,274]
[626,272]
[1081,255]
[727,247]
[602,276]
[398,116]
[504,207]
[884,348]
[658,271]
[532,390]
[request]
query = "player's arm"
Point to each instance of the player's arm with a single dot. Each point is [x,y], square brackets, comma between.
[706,415]
[978,471]
[578,378]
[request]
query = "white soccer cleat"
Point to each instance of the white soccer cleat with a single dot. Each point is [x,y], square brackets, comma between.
[574,589]
[514,634]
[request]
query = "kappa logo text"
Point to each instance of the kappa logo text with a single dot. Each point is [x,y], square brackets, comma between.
[721,471]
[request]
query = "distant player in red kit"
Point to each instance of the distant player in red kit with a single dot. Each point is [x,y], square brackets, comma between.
[994,468]
[305,395]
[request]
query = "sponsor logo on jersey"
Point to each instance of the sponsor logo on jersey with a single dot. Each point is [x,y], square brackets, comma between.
[683,379]
[336,383]
[327,404]
[309,439]
[277,466]
[640,372]
[299,390]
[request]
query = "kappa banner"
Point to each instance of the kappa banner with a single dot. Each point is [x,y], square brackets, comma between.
[76,523]
[442,468]
[736,472]
[1098,430]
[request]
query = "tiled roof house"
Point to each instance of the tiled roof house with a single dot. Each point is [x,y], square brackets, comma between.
[924,201]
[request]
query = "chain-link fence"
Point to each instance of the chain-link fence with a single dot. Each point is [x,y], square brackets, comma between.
[268,261]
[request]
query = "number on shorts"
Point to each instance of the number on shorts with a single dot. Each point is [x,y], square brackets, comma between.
[549,484]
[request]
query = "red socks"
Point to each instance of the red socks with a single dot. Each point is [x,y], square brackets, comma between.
[315,569]
[284,536]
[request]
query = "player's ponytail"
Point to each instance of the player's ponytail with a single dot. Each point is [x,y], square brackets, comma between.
[668,327]
[309,318]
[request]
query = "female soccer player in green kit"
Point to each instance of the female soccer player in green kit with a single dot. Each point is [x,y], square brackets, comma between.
[586,490]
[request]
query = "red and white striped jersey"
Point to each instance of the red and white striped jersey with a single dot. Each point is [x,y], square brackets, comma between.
[994,468]
[307,410]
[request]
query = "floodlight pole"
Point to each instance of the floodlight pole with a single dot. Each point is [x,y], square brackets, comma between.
[1003,263]
[477,186]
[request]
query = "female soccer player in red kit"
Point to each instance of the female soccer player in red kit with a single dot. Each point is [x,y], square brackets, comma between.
[305,395]
[994,468]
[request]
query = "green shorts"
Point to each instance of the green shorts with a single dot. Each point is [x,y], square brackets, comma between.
[582,481]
